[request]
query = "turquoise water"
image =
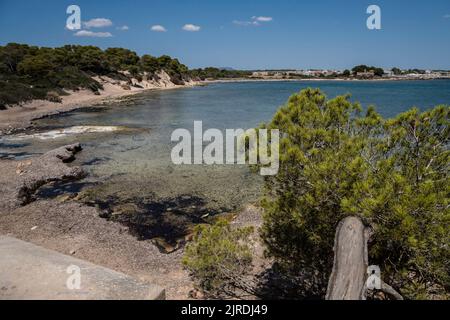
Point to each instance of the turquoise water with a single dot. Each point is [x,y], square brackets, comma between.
[246,104]
[133,172]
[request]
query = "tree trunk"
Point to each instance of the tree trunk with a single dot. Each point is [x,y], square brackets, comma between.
[348,278]
[349,275]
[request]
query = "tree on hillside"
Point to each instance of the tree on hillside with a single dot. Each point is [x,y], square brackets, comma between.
[121,59]
[149,64]
[35,66]
[13,53]
[28,72]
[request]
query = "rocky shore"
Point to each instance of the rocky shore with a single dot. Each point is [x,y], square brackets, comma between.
[71,227]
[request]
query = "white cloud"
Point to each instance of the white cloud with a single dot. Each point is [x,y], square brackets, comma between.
[191,27]
[98,23]
[86,33]
[158,28]
[246,23]
[447,16]
[123,28]
[262,19]
[254,21]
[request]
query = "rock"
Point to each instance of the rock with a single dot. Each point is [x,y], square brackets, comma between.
[63,198]
[189,237]
[31,175]
[33,228]
[126,208]
[196,294]
[163,246]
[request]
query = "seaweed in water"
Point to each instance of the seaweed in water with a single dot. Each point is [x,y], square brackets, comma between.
[167,222]
[55,189]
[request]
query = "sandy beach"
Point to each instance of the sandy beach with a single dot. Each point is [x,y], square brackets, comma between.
[20,117]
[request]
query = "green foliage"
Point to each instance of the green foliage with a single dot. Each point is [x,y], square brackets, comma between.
[35,66]
[215,73]
[219,257]
[30,72]
[12,54]
[121,59]
[335,162]
[396,71]
[363,68]
[149,64]
[12,92]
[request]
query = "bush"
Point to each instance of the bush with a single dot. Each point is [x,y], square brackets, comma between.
[219,258]
[393,173]
[14,93]
[53,96]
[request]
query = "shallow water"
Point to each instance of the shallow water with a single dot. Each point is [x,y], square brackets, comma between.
[131,173]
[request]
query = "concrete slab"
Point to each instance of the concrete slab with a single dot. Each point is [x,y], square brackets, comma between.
[30,272]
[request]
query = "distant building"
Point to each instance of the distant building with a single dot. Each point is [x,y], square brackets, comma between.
[388,73]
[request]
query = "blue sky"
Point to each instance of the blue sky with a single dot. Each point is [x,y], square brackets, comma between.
[248,34]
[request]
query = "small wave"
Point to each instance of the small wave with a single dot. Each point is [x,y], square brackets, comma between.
[64,132]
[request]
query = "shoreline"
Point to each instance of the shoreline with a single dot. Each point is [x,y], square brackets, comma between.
[18,118]
[315,80]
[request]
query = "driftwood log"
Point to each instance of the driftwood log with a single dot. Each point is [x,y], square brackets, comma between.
[349,275]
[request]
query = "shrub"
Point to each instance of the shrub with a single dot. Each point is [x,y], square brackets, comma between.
[219,258]
[53,96]
[393,173]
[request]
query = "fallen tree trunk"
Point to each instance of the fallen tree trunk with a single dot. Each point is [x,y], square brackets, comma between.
[349,275]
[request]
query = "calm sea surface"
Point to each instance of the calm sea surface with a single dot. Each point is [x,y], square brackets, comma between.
[132,174]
